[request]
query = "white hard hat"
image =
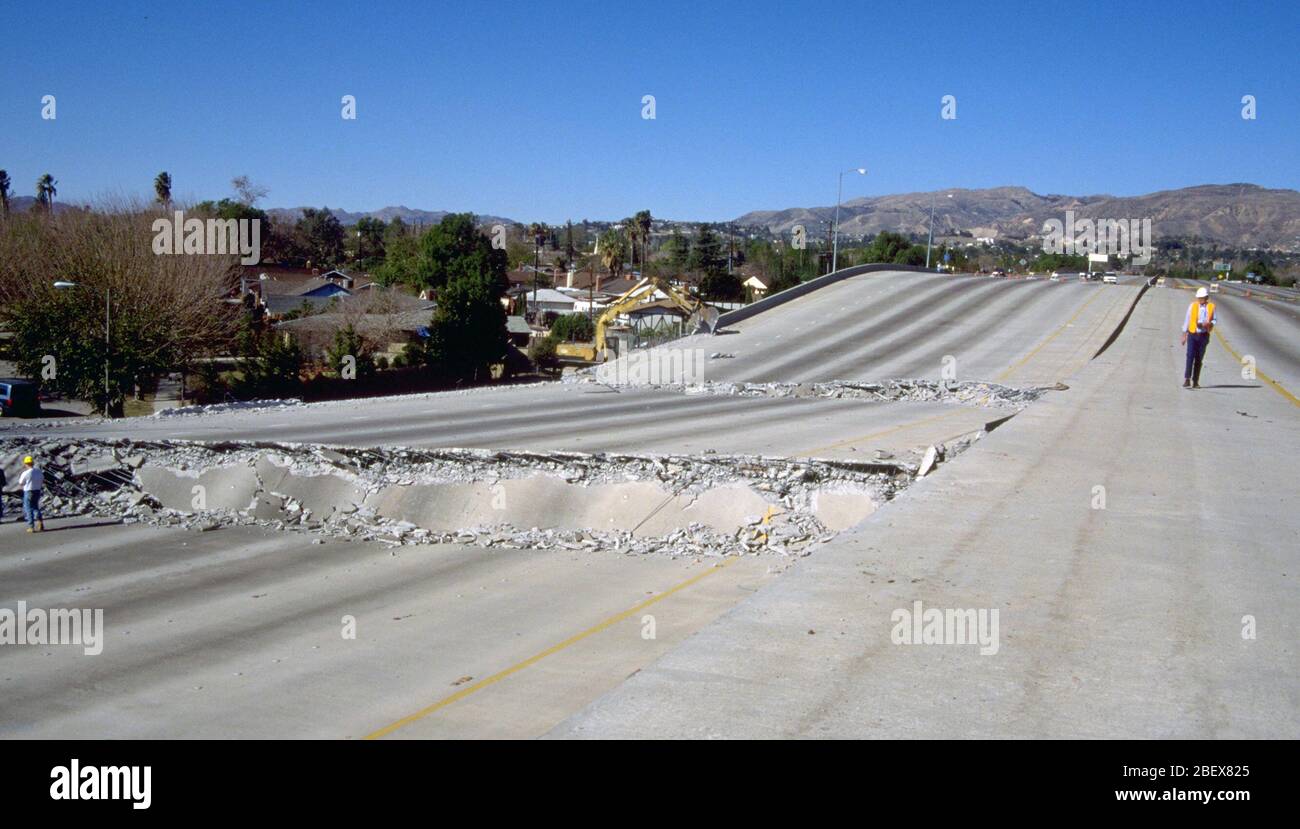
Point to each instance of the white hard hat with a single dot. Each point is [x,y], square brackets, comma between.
[1200,292]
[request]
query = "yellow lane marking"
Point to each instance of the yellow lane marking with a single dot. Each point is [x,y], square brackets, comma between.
[888,431]
[1004,375]
[533,660]
[1277,387]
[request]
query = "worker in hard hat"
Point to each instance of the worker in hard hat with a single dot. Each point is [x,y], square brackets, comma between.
[32,482]
[1197,325]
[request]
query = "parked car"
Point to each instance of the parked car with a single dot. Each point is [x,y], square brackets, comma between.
[19,398]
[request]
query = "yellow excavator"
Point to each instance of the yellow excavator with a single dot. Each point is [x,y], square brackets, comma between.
[703,318]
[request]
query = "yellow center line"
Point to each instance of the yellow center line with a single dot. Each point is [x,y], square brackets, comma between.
[554,649]
[1277,387]
[1004,375]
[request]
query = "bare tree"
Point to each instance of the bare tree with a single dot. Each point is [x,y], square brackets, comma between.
[248,192]
[165,309]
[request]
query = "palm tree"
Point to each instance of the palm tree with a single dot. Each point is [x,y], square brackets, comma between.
[162,186]
[629,229]
[611,252]
[4,193]
[643,223]
[538,232]
[46,191]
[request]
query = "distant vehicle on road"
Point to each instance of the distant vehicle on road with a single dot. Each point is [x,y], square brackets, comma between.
[1110,279]
[998,274]
[19,398]
[1254,278]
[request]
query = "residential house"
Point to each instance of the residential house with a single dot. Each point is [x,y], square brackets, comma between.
[388,330]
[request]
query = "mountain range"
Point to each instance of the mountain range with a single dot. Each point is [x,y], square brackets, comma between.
[409,215]
[1235,215]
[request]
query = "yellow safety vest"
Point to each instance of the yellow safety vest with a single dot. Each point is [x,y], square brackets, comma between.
[1196,314]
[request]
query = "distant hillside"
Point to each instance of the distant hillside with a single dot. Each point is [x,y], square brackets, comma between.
[1237,215]
[409,215]
[23,204]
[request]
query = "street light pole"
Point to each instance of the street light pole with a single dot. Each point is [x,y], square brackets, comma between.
[108,328]
[835,234]
[930,240]
[108,322]
[537,261]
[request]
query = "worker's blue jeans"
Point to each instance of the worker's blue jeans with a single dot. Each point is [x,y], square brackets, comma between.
[32,507]
[1196,344]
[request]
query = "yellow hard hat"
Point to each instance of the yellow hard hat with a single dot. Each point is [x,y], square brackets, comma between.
[27,461]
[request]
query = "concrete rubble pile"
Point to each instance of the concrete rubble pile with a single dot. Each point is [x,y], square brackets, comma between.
[708,504]
[912,391]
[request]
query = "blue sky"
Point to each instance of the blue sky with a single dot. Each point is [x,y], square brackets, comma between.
[533,111]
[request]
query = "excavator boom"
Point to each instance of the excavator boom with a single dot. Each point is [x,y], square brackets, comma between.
[703,318]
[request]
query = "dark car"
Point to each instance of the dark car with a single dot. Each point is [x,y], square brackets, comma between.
[19,398]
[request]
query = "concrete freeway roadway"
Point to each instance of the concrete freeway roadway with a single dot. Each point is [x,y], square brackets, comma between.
[236,633]
[1121,618]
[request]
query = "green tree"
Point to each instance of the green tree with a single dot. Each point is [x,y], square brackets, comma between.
[543,352]
[911,255]
[888,247]
[401,251]
[348,343]
[321,235]
[706,253]
[1048,262]
[721,287]
[574,328]
[370,239]
[678,248]
[162,188]
[468,331]
[270,363]
[455,249]
[229,209]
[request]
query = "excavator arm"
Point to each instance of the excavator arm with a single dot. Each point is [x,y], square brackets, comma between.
[703,318]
